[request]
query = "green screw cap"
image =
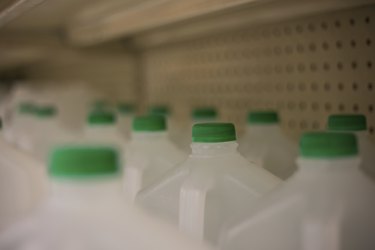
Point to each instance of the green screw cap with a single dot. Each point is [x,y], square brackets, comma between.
[45,111]
[204,114]
[101,117]
[328,145]
[125,108]
[347,122]
[263,117]
[149,123]
[100,104]
[213,132]
[26,108]
[159,110]
[82,161]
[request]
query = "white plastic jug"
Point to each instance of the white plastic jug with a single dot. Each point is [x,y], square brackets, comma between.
[212,185]
[87,210]
[22,125]
[265,144]
[47,132]
[102,129]
[125,114]
[150,153]
[23,183]
[174,126]
[357,124]
[328,204]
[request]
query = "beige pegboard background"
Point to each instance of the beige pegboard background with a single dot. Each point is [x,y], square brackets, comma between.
[305,68]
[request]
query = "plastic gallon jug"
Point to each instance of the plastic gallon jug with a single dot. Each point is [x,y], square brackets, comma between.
[174,128]
[47,132]
[265,144]
[356,124]
[22,124]
[86,210]
[211,186]
[198,115]
[150,153]
[23,183]
[125,114]
[328,204]
[102,129]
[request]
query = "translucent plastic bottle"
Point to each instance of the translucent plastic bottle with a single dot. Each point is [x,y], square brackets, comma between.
[102,129]
[22,124]
[22,183]
[212,185]
[150,153]
[86,210]
[174,128]
[356,124]
[125,114]
[47,132]
[265,144]
[328,204]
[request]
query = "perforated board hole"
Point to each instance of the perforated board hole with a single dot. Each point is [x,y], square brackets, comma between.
[326,66]
[355,86]
[370,86]
[369,64]
[355,107]
[324,25]
[337,24]
[368,42]
[353,43]
[325,46]
[370,108]
[315,125]
[327,107]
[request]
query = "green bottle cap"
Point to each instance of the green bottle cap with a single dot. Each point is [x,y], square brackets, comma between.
[125,108]
[45,111]
[213,132]
[83,161]
[263,117]
[347,122]
[328,145]
[101,117]
[204,114]
[159,110]
[26,108]
[150,123]
[100,104]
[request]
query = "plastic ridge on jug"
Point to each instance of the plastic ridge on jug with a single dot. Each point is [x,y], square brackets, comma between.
[211,186]
[327,204]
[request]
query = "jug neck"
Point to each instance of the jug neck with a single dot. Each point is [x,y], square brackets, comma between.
[213,149]
[86,191]
[149,136]
[263,128]
[343,165]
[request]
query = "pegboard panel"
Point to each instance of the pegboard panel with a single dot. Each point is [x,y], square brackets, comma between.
[305,68]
